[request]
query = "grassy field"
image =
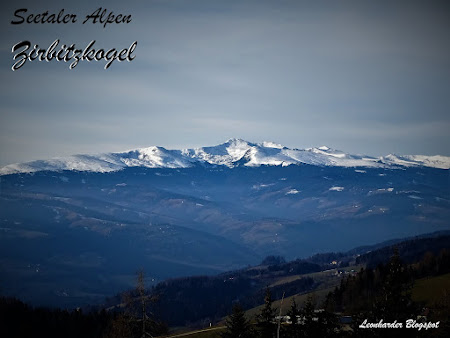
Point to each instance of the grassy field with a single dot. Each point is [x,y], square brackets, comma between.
[327,279]
[213,332]
[318,295]
[300,299]
[430,290]
[323,277]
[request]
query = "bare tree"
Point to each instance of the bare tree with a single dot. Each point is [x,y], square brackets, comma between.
[143,299]
[136,320]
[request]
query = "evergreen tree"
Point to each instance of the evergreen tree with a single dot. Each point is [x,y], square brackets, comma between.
[237,325]
[328,324]
[266,317]
[295,329]
[310,325]
[394,302]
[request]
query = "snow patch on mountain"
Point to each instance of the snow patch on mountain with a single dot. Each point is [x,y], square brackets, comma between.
[336,189]
[436,161]
[155,157]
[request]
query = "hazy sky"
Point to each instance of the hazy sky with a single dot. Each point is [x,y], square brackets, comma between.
[367,77]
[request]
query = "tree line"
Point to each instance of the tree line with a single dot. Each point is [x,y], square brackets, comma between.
[381,293]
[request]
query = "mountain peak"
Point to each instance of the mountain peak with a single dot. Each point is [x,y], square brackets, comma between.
[324,148]
[236,141]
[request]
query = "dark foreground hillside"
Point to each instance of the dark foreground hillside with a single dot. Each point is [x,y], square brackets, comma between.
[392,290]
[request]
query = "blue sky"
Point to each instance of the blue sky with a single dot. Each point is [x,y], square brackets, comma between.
[360,76]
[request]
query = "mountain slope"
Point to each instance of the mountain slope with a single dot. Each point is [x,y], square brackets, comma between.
[78,236]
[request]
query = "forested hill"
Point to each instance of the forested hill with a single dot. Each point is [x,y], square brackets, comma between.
[410,251]
[205,299]
[199,300]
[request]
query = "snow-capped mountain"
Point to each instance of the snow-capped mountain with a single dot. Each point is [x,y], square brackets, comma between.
[97,219]
[234,152]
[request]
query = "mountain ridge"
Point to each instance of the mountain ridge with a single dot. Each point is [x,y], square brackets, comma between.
[234,152]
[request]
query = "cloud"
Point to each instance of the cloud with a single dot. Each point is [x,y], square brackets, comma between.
[358,76]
